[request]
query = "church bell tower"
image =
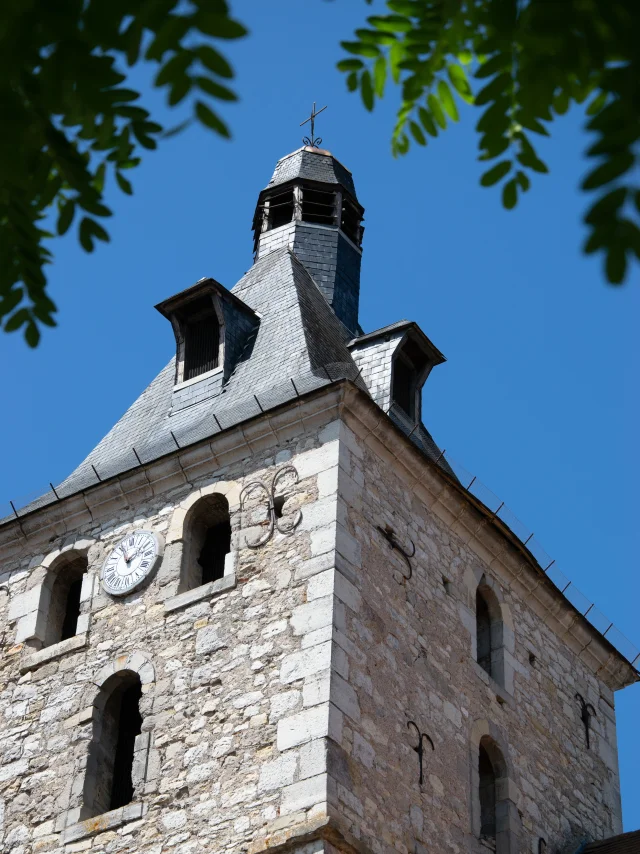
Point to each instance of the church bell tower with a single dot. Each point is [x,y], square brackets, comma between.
[310,205]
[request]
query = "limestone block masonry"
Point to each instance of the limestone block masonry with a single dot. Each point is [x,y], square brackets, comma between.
[275,702]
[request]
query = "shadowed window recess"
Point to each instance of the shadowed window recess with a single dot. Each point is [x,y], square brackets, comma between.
[489,633]
[64,604]
[207,542]
[201,338]
[110,781]
[487,793]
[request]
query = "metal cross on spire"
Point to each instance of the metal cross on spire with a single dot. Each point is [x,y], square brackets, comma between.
[313,141]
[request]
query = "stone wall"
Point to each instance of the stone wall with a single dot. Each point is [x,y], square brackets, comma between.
[235,685]
[276,700]
[409,655]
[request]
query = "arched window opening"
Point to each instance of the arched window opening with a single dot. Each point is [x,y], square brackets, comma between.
[489,633]
[487,794]
[110,771]
[64,606]
[207,541]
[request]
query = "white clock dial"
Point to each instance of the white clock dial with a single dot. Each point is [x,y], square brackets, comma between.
[132,560]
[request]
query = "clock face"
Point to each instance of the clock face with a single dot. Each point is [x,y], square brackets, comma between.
[132,560]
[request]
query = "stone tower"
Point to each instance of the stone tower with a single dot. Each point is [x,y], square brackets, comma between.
[264,615]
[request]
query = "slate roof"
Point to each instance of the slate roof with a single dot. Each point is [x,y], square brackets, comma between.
[314,165]
[626,843]
[299,338]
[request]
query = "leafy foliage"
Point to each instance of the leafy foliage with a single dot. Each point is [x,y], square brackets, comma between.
[522,63]
[67,121]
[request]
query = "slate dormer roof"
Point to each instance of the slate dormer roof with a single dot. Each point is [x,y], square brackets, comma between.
[312,164]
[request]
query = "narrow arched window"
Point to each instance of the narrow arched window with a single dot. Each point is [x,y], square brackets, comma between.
[109,782]
[207,541]
[489,633]
[483,633]
[487,795]
[64,602]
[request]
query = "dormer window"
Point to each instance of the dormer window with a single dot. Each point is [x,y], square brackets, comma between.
[404,385]
[206,354]
[201,332]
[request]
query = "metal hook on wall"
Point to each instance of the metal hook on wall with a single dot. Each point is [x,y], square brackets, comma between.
[389,535]
[419,748]
[586,713]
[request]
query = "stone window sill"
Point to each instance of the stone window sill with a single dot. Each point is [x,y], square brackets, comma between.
[502,695]
[205,591]
[56,650]
[100,823]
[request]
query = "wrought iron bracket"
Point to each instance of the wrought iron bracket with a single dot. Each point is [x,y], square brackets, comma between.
[586,713]
[419,748]
[390,537]
[273,523]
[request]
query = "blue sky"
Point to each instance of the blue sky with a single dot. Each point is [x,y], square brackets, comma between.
[535,398]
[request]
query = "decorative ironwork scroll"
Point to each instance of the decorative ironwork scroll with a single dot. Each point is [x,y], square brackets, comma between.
[312,140]
[273,522]
[586,713]
[419,748]
[390,537]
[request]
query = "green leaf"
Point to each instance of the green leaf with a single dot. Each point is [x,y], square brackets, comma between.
[460,83]
[496,174]
[494,89]
[350,65]
[174,69]
[85,234]
[402,145]
[217,25]
[446,99]
[436,110]
[609,171]
[427,122]
[32,334]
[361,49]
[379,75]
[510,194]
[606,208]
[616,264]
[396,55]
[124,185]
[179,90]
[523,180]
[393,23]
[215,89]
[498,63]
[210,119]
[561,102]
[597,104]
[21,317]
[416,132]
[366,90]
[214,61]
[65,218]
[404,7]
[352,81]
